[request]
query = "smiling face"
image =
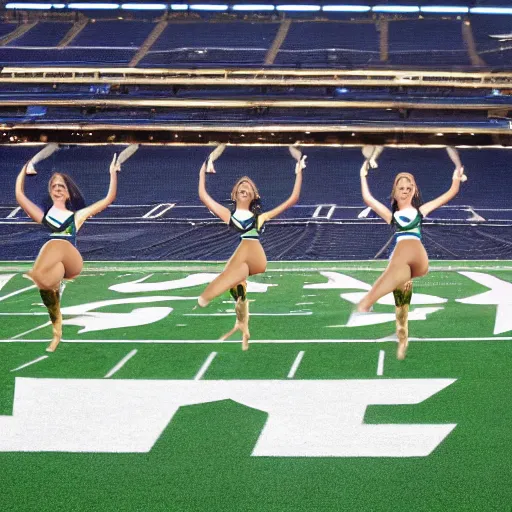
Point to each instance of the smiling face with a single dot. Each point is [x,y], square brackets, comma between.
[58,190]
[244,192]
[404,189]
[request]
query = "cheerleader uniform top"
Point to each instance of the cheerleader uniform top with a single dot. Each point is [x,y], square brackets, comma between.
[246,223]
[408,224]
[61,224]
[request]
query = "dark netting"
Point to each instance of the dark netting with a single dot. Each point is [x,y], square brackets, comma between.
[158,215]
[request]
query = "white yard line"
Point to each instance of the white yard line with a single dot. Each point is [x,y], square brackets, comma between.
[305,313]
[380,364]
[205,366]
[12,294]
[29,363]
[295,364]
[42,313]
[121,363]
[29,331]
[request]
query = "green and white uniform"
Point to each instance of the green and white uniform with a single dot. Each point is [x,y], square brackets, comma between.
[61,223]
[246,223]
[408,224]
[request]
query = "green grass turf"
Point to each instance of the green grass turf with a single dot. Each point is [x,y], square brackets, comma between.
[202,460]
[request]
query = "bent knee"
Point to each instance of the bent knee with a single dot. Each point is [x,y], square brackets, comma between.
[257,269]
[419,272]
[41,281]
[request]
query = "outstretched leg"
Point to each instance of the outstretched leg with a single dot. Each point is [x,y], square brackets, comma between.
[393,277]
[249,259]
[403,297]
[234,274]
[58,259]
[409,260]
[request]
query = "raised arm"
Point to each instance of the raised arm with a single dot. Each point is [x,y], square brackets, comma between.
[458,175]
[216,208]
[31,209]
[381,210]
[82,215]
[294,197]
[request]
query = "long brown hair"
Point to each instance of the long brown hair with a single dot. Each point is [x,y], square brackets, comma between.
[76,200]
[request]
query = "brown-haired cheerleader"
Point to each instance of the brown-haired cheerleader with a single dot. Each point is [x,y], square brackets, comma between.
[64,215]
[409,258]
[246,218]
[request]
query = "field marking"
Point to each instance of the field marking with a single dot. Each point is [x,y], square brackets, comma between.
[380,363]
[490,338]
[29,363]
[295,364]
[17,292]
[25,314]
[31,330]
[305,313]
[205,366]
[121,363]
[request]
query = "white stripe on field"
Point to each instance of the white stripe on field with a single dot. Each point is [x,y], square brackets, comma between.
[295,364]
[29,363]
[121,363]
[496,338]
[305,313]
[42,313]
[17,292]
[380,364]
[31,330]
[205,366]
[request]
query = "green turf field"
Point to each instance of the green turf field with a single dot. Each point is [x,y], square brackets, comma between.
[142,409]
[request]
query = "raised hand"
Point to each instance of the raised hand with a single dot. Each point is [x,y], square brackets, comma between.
[115,166]
[364,169]
[458,174]
[301,164]
[30,170]
[210,169]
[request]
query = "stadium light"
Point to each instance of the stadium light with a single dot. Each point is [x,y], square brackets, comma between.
[346,8]
[490,10]
[298,8]
[253,7]
[143,7]
[93,6]
[445,9]
[208,7]
[179,7]
[395,8]
[16,5]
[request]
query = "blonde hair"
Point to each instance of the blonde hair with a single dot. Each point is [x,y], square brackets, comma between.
[250,182]
[407,176]
[416,200]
